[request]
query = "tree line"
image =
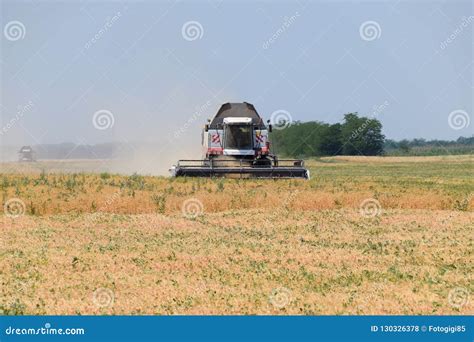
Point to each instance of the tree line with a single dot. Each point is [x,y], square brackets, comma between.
[355,136]
[422,147]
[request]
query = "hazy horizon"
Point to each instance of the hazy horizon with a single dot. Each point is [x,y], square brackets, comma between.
[157,70]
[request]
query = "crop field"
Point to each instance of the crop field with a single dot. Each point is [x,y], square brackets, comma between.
[366,235]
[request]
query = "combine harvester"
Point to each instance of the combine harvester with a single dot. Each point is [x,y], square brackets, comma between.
[235,144]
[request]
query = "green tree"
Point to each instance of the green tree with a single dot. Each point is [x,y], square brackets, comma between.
[361,136]
[331,140]
[355,136]
[404,146]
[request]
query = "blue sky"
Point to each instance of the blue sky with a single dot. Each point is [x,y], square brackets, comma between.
[309,58]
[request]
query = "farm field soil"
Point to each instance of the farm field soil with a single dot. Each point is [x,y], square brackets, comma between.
[363,236]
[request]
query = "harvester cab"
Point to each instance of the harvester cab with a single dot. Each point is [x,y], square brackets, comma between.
[235,143]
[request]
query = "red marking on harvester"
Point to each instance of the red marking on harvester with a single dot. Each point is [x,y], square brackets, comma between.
[216,139]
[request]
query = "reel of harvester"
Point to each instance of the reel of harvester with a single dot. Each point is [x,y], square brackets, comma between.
[240,168]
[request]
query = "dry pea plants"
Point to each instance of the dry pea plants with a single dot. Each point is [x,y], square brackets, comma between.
[378,235]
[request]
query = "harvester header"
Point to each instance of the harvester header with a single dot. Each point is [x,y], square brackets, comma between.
[236,143]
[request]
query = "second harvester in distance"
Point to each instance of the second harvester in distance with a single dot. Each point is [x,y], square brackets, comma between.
[235,143]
